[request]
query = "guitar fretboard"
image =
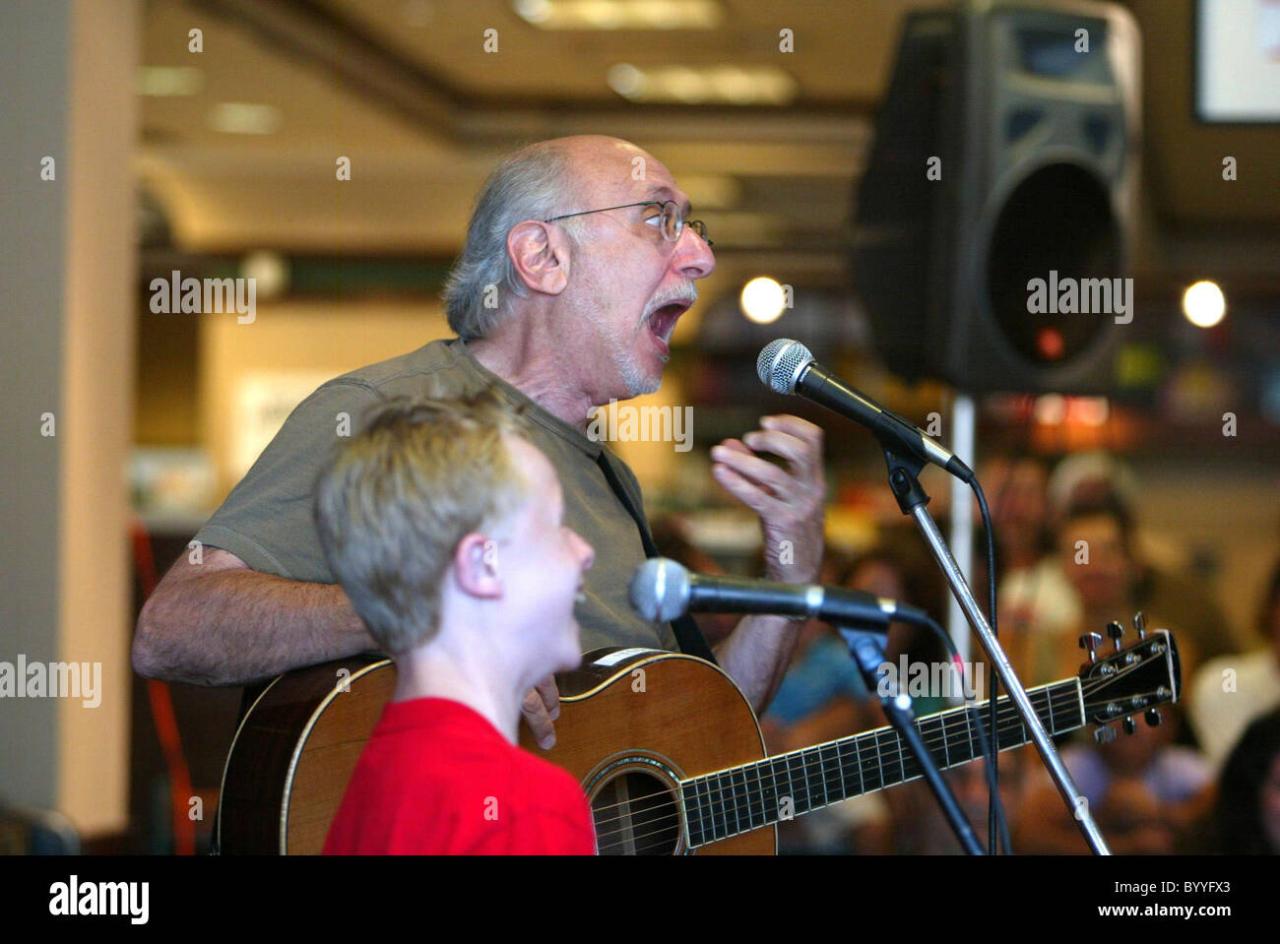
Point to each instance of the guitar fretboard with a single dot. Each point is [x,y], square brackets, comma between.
[737,800]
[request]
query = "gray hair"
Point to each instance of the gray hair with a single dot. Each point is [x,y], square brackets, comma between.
[528,185]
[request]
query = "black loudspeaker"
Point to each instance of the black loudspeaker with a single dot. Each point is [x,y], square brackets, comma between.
[1006,152]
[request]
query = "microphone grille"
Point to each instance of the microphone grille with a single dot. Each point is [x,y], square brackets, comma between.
[660,590]
[780,363]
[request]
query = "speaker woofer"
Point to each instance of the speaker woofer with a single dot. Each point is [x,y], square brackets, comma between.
[1056,224]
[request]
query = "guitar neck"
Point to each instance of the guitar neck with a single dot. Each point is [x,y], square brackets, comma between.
[739,799]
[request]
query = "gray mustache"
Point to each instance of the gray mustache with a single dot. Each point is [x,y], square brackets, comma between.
[690,296]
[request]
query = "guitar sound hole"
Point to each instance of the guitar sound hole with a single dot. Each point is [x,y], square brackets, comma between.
[635,813]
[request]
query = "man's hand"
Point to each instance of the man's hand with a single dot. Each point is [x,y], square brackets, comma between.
[789,501]
[541,707]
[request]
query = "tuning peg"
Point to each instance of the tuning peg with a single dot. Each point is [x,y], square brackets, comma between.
[1140,624]
[1153,717]
[1129,724]
[1116,632]
[1104,735]
[1089,642]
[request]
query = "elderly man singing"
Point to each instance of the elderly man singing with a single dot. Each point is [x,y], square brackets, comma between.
[578,262]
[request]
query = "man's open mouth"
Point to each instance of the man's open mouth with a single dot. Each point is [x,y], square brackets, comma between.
[662,321]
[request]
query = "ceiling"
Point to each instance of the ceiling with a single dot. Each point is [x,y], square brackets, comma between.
[407,92]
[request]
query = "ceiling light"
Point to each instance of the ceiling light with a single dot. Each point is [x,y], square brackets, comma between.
[763,300]
[718,84]
[244,118]
[165,81]
[1204,304]
[620,14]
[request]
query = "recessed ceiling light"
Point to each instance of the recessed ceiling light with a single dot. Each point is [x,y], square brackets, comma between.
[163,81]
[718,84]
[244,118]
[620,14]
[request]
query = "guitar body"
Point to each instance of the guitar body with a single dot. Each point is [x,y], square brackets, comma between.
[630,728]
[632,723]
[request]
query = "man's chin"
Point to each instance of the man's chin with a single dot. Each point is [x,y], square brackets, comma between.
[640,383]
[646,388]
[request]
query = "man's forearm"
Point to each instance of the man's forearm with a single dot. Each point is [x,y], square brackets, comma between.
[757,654]
[237,626]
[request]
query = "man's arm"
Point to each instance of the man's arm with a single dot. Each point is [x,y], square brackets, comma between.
[220,623]
[757,655]
[261,600]
[790,502]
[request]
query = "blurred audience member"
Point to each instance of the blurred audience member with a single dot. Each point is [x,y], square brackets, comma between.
[1230,691]
[1248,810]
[1039,608]
[1145,793]
[1018,489]
[1095,551]
[898,568]
[921,828]
[823,697]
[1162,583]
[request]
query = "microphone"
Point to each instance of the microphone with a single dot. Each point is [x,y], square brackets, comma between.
[662,590]
[788,367]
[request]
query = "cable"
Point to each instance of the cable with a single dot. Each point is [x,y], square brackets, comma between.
[996,822]
[995,808]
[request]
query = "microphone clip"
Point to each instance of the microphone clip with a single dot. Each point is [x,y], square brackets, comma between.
[904,479]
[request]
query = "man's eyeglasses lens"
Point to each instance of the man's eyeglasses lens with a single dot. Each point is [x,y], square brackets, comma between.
[672,224]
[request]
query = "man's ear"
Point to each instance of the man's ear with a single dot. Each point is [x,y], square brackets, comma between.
[540,254]
[475,567]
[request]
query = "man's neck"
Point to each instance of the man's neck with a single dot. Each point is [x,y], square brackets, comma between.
[542,379]
[444,671]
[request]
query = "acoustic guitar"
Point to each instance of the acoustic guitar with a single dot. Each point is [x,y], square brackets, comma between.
[666,746]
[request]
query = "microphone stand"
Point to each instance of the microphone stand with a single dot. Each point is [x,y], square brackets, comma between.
[867,651]
[904,481]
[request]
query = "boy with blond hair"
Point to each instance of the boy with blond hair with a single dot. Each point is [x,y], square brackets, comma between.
[444,525]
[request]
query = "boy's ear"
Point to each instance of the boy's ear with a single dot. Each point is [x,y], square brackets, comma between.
[475,567]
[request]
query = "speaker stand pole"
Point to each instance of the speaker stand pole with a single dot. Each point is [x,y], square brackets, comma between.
[963,425]
[904,482]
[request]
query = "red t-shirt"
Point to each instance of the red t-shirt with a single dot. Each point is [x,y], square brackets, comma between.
[436,778]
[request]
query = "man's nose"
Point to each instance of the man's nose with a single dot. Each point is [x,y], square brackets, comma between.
[693,258]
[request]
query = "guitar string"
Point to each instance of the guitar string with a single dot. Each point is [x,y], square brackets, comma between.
[717,794]
[1007,707]
[651,834]
[897,755]
[957,720]
[811,757]
[605,837]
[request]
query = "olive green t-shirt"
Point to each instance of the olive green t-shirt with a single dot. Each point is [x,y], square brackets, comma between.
[267,521]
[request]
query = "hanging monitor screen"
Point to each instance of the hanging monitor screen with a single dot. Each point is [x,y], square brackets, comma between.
[1238,60]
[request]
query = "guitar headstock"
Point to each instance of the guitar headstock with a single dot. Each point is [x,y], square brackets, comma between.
[1130,680]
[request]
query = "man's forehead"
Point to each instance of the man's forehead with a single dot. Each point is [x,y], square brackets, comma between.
[625,172]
